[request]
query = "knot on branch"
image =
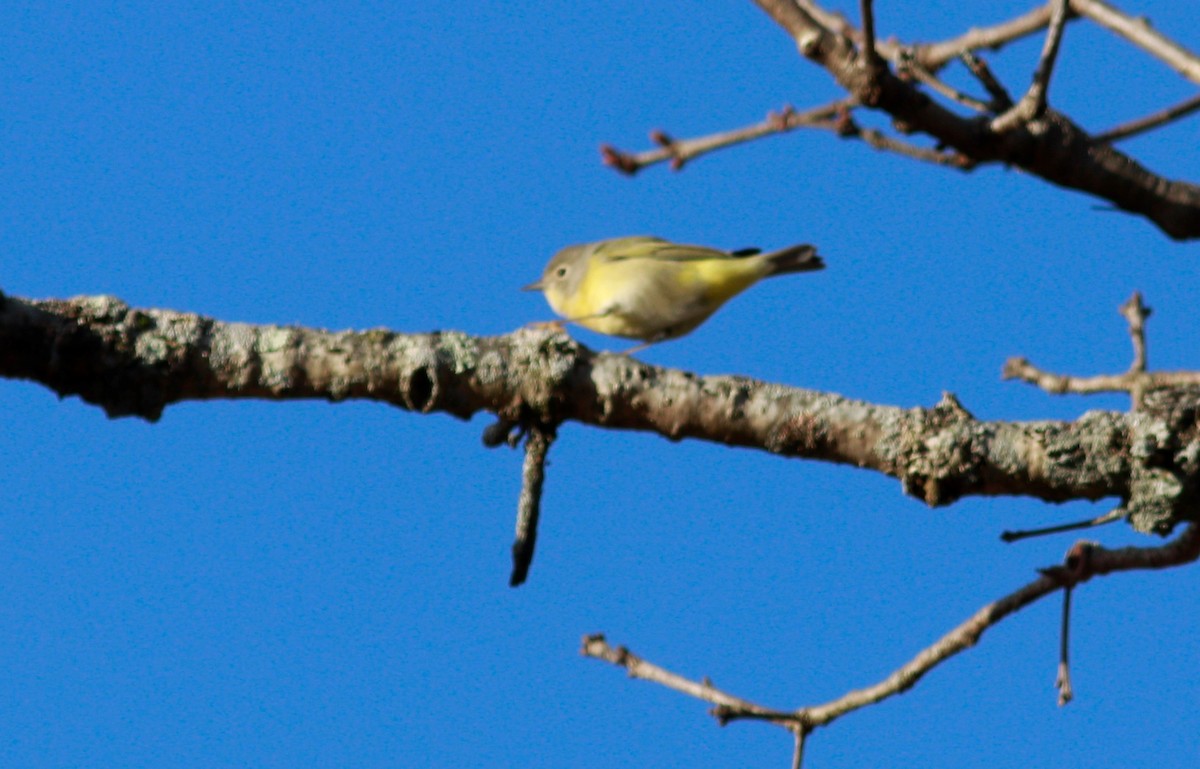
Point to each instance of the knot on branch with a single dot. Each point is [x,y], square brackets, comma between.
[935,452]
[551,363]
[1164,487]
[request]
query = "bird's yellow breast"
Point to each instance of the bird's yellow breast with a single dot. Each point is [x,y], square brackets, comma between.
[645,298]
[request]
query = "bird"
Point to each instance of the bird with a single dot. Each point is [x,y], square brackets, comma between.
[650,289]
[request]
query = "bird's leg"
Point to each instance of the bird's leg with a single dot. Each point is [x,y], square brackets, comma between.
[558,324]
[648,343]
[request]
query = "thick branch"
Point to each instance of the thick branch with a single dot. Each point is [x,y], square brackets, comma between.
[137,362]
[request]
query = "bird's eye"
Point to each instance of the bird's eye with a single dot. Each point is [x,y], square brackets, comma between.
[561,272]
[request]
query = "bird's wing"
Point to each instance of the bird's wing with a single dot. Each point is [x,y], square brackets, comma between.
[659,249]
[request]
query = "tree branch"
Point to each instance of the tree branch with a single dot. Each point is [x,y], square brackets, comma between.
[1028,135]
[1084,561]
[137,362]
[1136,381]
[680,151]
[834,117]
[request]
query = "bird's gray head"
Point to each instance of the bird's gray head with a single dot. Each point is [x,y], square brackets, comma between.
[563,274]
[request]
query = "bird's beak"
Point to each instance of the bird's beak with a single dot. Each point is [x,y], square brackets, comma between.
[534,286]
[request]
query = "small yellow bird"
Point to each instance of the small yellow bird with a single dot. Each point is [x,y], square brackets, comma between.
[651,289]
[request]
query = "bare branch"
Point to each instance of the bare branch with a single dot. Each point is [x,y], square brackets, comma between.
[934,56]
[1139,32]
[680,151]
[597,647]
[1136,381]
[1058,150]
[1141,125]
[1059,384]
[1084,561]
[834,117]
[1062,681]
[846,126]
[798,750]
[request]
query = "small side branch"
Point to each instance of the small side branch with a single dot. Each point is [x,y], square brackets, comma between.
[834,117]
[529,505]
[870,54]
[1112,515]
[1136,313]
[680,151]
[1001,100]
[1033,104]
[597,647]
[1137,381]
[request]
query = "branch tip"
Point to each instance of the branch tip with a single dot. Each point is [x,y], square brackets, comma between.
[615,158]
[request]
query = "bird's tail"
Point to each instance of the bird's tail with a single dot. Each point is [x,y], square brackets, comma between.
[801,258]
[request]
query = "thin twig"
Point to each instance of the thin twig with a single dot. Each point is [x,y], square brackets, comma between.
[1045,66]
[847,126]
[831,117]
[1141,125]
[596,646]
[1139,32]
[1033,104]
[680,151]
[1062,681]
[934,56]
[910,66]
[798,750]
[1059,384]
[1112,515]
[1078,568]
[529,504]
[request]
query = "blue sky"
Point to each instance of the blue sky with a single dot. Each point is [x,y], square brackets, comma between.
[304,584]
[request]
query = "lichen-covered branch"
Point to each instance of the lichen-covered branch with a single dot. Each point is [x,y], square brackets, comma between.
[137,362]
